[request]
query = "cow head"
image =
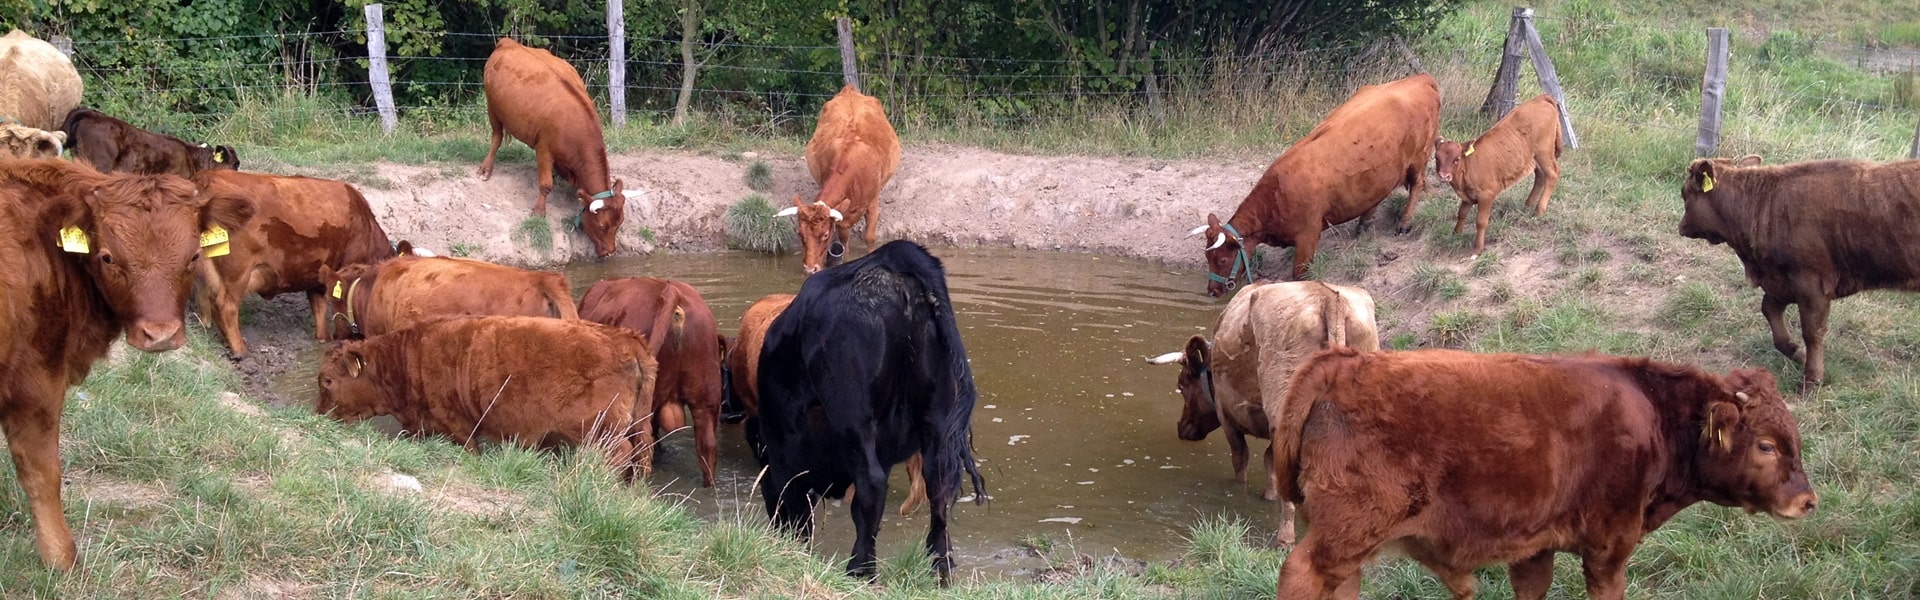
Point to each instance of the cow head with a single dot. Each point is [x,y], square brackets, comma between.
[1228,255]
[19,141]
[138,237]
[1199,415]
[817,224]
[601,215]
[1749,454]
[1707,198]
[346,389]
[346,296]
[214,157]
[1446,154]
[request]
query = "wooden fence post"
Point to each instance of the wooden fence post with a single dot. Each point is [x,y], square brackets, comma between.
[1500,98]
[1915,152]
[617,62]
[1711,91]
[377,67]
[1549,80]
[847,70]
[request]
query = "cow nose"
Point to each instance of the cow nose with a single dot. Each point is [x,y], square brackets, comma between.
[811,269]
[155,336]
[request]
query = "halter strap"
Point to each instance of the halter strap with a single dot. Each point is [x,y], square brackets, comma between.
[1241,262]
[353,324]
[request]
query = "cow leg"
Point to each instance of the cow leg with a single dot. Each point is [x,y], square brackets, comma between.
[1546,175]
[1813,328]
[318,301]
[1320,569]
[943,486]
[869,500]
[1459,582]
[1606,572]
[706,439]
[1304,246]
[1273,478]
[1460,216]
[1774,308]
[1482,220]
[32,426]
[1532,577]
[917,492]
[640,433]
[873,224]
[1238,443]
[486,166]
[1283,534]
[544,161]
[1415,182]
[1366,220]
[227,304]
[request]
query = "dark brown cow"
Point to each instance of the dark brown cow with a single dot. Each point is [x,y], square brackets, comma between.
[539,99]
[1809,233]
[1526,141]
[1462,460]
[686,342]
[368,300]
[83,258]
[853,154]
[111,144]
[300,224]
[1238,380]
[1377,141]
[536,382]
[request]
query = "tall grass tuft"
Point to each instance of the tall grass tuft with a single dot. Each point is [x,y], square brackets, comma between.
[751,225]
[535,231]
[760,177]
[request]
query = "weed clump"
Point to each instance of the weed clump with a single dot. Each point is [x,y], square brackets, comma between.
[535,231]
[760,177]
[751,225]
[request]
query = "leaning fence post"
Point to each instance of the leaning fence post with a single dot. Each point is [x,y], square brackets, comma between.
[1500,97]
[377,67]
[617,63]
[847,69]
[1549,80]
[1915,151]
[1711,91]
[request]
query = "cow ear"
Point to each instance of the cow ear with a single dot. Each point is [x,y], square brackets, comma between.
[230,212]
[1722,420]
[1750,160]
[619,198]
[797,202]
[403,248]
[356,363]
[1198,353]
[1213,220]
[1700,175]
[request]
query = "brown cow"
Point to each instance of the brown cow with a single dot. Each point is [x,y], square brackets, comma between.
[111,144]
[529,380]
[1462,460]
[1267,330]
[368,300]
[1809,233]
[852,155]
[1377,141]
[540,100]
[686,342]
[300,224]
[1526,140]
[83,258]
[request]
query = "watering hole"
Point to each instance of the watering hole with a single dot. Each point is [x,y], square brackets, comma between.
[1074,431]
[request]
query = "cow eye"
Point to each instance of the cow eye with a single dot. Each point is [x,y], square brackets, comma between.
[1768,447]
[106,258]
[326,381]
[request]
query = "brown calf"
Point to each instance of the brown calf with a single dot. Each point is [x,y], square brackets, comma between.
[368,300]
[1526,141]
[111,144]
[687,344]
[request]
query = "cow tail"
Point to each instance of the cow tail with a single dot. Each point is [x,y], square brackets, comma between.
[1334,315]
[668,325]
[72,126]
[559,302]
[1309,385]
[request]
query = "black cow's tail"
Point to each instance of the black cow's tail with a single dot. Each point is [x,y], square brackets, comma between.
[928,272]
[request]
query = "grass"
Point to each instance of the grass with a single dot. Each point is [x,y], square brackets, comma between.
[535,231]
[177,493]
[760,177]
[750,224]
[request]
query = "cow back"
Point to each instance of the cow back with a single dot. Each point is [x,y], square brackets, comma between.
[411,290]
[1363,150]
[1268,330]
[540,100]
[743,359]
[855,141]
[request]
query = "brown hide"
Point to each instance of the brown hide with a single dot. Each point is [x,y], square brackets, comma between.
[533,381]
[1526,141]
[1377,141]
[540,100]
[110,144]
[1463,460]
[680,328]
[300,224]
[853,154]
[1239,379]
[60,310]
[368,300]
[1808,234]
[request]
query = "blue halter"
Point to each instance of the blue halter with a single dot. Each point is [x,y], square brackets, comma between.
[1241,262]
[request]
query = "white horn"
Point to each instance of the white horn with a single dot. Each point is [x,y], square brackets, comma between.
[787,212]
[1198,230]
[1179,357]
[424,253]
[835,214]
[1741,395]
[596,206]
[1218,241]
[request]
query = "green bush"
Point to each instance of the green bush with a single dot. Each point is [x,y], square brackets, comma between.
[751,225]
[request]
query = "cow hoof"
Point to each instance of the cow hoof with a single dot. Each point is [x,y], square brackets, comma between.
[1403,230]
[733,417]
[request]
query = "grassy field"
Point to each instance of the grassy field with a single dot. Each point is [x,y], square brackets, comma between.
[178,488]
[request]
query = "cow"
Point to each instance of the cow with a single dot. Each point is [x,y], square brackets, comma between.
[894,380]
[853,154]
[532,381]
[1526,140]
[300,224]
[367,300]
[1461,460]
[110,144]
[1375,142]
[85,257]
[21,141]
[687,344]
[1808,234]
[540,100]
[38,83]
[1237,381]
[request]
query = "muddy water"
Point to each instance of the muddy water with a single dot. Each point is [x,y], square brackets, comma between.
[1074,431]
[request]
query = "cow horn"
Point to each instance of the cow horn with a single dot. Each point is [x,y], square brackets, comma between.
[1743,397]
[787,212]
[1179,357]
[596,206]
[835,214]
[1198,230]
[1218,241]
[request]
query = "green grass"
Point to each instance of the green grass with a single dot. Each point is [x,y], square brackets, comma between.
[536,231]
[760,177]
[750,224]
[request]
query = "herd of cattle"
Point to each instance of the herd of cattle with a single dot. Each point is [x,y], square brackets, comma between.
[1457,460]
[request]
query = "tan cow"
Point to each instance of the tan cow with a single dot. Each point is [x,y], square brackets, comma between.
[1241,378]
[1526,141]
[853,154]
[38,83]
[540,99]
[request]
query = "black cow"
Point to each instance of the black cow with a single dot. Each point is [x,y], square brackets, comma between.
[863,370]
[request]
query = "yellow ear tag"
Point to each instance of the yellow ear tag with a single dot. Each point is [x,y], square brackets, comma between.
[1469,151]
[336,289]
[72,239]
[214,240]
[1706,183]
[219,156]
